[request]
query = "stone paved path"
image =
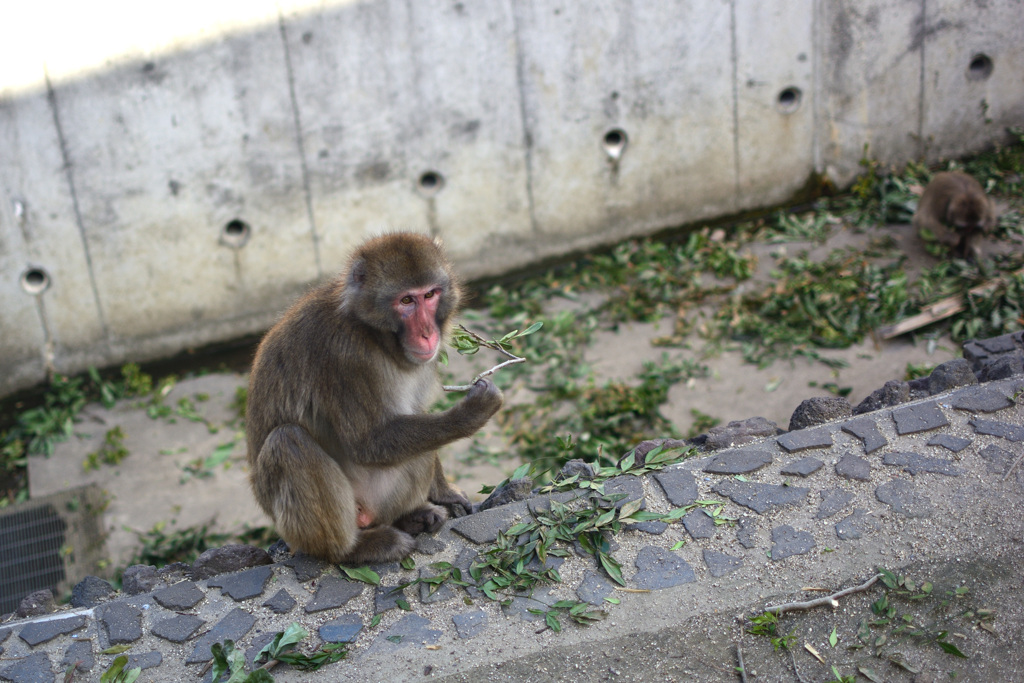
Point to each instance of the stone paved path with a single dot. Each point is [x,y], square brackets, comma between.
[933,480]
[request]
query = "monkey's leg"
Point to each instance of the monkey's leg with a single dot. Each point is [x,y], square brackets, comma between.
[313,505]
[446,495]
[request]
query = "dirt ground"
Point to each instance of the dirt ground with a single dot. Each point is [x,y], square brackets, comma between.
[155,485]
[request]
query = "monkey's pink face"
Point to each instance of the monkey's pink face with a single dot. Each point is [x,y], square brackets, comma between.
[421,335]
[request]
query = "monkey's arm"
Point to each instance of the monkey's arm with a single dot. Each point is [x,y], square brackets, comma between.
[926,219]
[444,494]
[407,436]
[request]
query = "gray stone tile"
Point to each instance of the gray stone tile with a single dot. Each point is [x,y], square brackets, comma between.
[679,485]
[44,631]
[121,622]
[904,498]
[853,467]
[333,592]
[281,603]
[980,399]
[35,668]
[483,527]
[234,625]
[1003,430]
[787,541]
[914,464]
[181,596]
[698,524]
[595,587]
[832,502]
[919,417]
[720,564]
[144,660]
[804,467]
[243,585]
[177,629]
[950,442]
[760,497]
[79,654]
[344,629]
[738,461]
[411,630]
[866,429]
[470,624]
[805,439]
[856,524]
[658,568]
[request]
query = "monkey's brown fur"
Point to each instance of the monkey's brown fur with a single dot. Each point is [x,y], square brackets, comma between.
[336,420]
[956,210]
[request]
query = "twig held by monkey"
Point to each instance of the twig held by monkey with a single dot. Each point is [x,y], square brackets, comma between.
[341,449]
[956,211]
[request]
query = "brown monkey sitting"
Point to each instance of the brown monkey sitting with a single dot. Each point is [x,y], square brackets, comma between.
[342,453]
[956,211]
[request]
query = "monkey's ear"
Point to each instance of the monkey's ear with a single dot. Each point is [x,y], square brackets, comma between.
[357,274]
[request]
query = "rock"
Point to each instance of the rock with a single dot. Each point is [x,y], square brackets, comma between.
[852,466]
[230,558]
[509,492]
[181,596]
[141,578]
[121,621]
[90,591]
[918,388]
[659,568]
[949,375]
[1001,368]
[644,447]
[804,439]
[804,467]
[577,467]
[36,604]
[819,410]
[737,433]
[891,394]
[279,551]
[344,629]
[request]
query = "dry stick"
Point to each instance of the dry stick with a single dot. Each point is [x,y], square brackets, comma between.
[743,670]
[485,373]
[1013,466]
[779,610]
[795,670]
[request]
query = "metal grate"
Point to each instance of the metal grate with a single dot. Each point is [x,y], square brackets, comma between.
[51,542]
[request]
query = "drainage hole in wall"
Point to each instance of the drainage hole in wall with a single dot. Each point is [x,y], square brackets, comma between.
[789,100]
[235,233]
[35,281]
[980,67]
[431,182]
[614,143]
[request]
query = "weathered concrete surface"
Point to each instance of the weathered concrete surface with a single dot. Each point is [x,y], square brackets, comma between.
[174,178]
[952,518]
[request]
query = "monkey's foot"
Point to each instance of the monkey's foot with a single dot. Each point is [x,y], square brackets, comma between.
[454,501]
[381,544]
[428,518]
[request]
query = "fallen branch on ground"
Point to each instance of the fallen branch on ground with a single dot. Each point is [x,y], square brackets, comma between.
[832,600]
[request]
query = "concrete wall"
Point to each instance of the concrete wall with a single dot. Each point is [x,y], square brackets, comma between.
[176,179]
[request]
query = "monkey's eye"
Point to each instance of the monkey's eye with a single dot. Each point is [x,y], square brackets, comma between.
[430,294]
[406,299]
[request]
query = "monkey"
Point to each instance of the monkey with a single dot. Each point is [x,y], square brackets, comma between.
[956,210]
[341,449]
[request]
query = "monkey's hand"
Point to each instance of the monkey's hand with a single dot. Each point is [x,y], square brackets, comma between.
[483,399]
